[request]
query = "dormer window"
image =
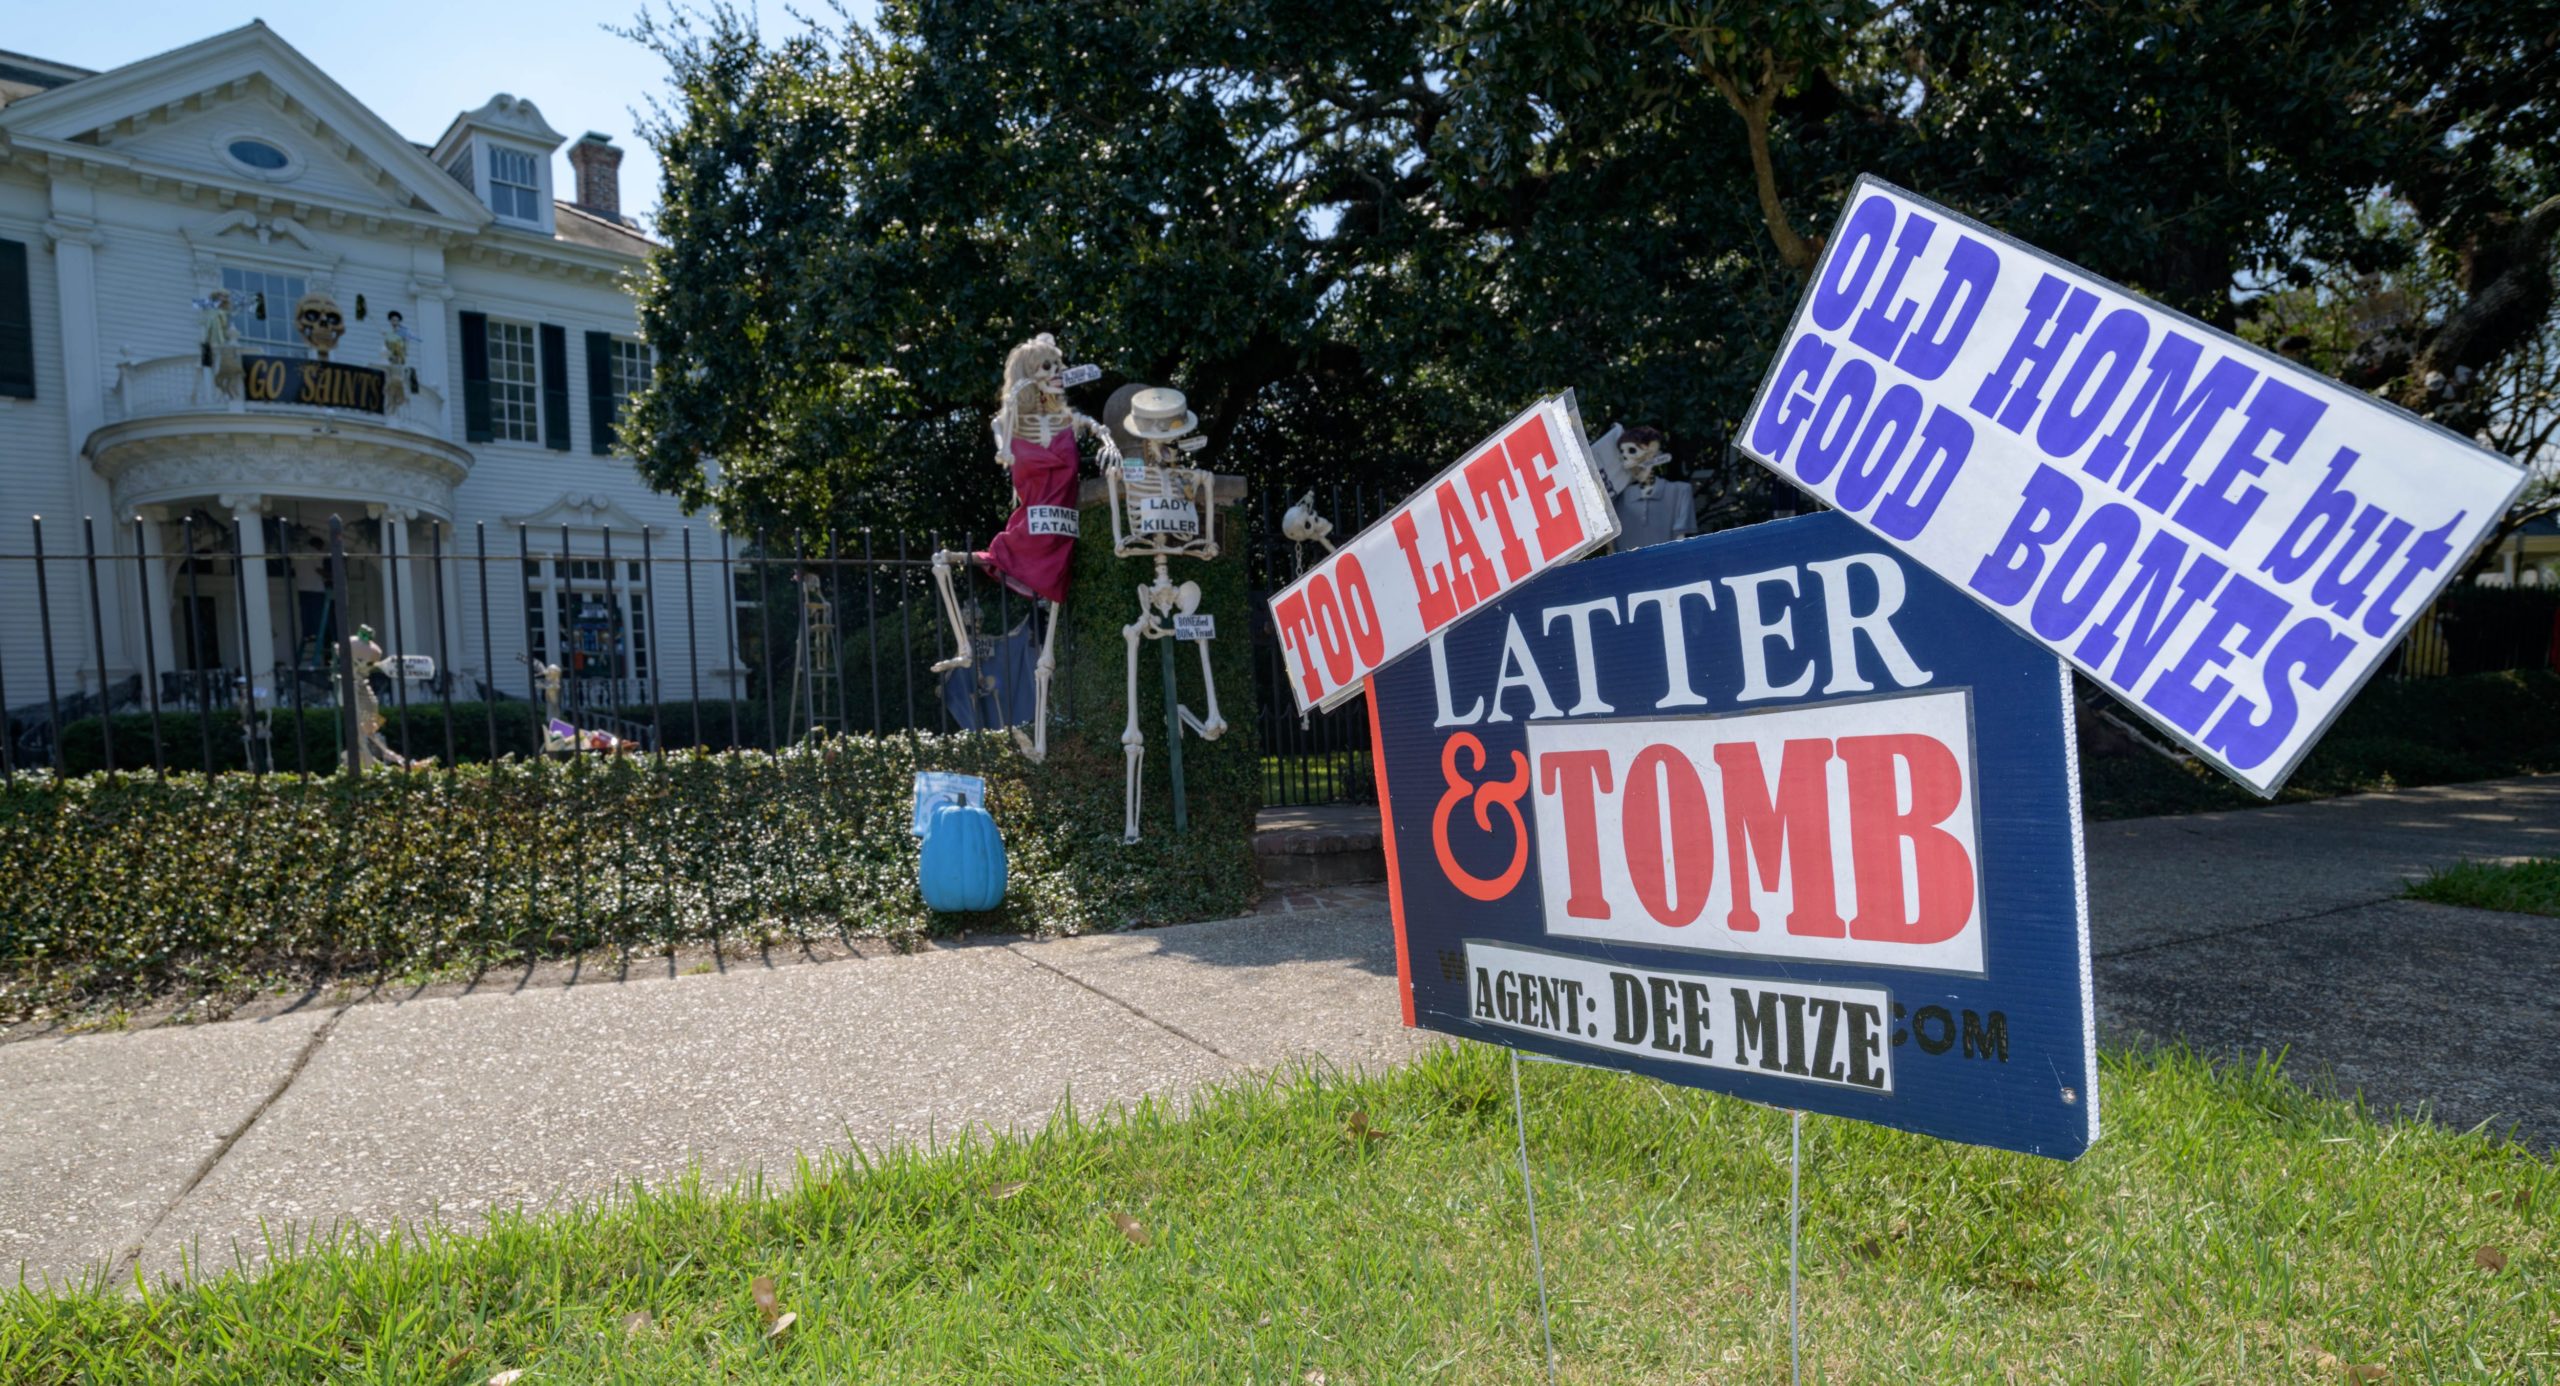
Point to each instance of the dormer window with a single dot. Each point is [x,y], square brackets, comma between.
[515,185]
[502,153]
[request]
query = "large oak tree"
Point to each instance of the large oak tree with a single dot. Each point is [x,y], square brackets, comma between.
[1359,234]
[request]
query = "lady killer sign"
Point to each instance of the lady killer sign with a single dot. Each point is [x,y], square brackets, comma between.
[1775,812]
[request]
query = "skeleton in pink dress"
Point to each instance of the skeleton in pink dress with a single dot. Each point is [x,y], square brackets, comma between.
[1035,436]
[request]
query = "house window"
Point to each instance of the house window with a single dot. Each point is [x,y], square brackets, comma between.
[537,619]
[273,334]
[595,630]
[515,383]
[515,185]
[628,363]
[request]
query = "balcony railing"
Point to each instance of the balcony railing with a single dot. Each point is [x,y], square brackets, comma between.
[183,385]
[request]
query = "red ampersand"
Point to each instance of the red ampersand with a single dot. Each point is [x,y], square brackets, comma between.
[1488,796]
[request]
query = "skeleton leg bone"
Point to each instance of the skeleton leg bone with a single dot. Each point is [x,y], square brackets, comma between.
[1036,745]
[944,560]
[1133,740]
[1213,726]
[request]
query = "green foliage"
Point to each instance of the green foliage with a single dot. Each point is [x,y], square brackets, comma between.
[2397,734]
[2522,887]
[1360,236]
[123,886]
[2229,1227]
[307,739]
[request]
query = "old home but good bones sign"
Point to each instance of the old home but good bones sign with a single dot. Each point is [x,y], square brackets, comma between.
[2229,543]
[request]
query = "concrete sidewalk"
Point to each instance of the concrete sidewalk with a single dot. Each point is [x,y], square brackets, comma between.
[2266,929]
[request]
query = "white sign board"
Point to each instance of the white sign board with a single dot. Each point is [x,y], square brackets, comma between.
[2226,541]
[1524,500]
[1187,626]
[935,788]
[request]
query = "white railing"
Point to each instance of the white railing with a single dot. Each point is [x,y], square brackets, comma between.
[182,385]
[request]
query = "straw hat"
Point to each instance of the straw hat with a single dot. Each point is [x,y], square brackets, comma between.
[1160,413]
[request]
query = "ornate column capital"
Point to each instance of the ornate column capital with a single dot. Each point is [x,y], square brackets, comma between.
[60,231]
[242,503]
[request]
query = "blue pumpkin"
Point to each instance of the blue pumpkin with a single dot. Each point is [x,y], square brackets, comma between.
[963,863]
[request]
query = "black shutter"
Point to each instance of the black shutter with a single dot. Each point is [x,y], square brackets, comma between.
[555,387]
[600,392]
[475,379]
[17,324]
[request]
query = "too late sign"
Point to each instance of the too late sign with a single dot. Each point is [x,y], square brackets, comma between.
[1521,502]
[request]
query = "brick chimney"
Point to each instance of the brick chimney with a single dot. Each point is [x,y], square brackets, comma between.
[599,167]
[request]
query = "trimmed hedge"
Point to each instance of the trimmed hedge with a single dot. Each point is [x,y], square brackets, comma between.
[188,739]
[123,886]
[2397,734]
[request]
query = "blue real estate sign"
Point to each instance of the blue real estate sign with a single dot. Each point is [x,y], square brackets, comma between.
[1775,812]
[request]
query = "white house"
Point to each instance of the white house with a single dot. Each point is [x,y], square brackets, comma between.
[180,241]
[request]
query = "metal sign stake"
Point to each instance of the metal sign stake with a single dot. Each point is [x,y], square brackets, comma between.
[1537,1258]
[1795,1207]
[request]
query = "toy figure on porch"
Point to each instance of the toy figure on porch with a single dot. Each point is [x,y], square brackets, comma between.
[1035,431]
[1163,509]
[398,376]
[371,748]
[219,349]
[562,737]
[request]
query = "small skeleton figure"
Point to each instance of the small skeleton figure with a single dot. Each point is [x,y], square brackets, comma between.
[1035,436]
[397,376]
[1652,509]
[317,321]
[1163,510]
[371,748]
[219,342]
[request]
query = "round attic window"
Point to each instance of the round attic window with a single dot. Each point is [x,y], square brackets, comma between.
[259,154]
[256,155]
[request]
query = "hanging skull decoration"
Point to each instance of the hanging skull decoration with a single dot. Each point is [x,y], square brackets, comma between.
[319,322]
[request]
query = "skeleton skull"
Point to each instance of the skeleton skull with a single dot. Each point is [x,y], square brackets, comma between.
[1640,451]
[319,322]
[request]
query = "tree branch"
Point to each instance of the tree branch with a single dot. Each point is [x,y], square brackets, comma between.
[1754,108]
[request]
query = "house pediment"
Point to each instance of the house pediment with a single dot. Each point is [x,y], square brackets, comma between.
[582,510]
[188,115]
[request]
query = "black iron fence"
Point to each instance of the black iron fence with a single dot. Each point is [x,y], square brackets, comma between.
[1313,758]
[202,644]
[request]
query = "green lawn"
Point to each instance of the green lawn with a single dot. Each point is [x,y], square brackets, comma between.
[2229,1227]
[2525,887]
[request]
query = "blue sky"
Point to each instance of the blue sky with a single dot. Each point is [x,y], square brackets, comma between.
[416,65]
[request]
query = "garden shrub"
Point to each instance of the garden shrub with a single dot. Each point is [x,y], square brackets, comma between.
[306,738]
[2397,734]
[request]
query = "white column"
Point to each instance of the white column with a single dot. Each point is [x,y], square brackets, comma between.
[433,302]
[405,635]
[250,513]
[460,634]
[75,241]
[154,594]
